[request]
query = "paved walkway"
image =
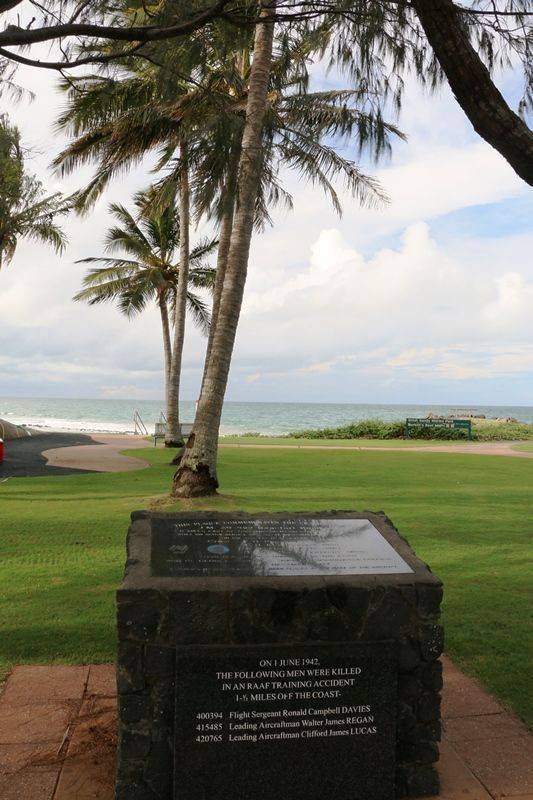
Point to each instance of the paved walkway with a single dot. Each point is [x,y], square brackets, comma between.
[58,738]
[59,453]
[70,453]
[24,457]
[102,455]
[475,448]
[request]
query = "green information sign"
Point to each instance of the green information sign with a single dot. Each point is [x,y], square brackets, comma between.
[436,422]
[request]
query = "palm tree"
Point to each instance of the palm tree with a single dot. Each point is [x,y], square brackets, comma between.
[196,474]
[117,120]
[145,269]
[25,212]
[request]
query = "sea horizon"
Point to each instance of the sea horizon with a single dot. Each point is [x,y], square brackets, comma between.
[115,415]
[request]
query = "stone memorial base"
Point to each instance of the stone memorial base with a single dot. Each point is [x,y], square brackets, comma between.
[276,657]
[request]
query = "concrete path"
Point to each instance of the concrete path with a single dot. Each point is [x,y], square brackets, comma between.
[102,454]
[24,458]
[69,453]
[58,738]
[474,448]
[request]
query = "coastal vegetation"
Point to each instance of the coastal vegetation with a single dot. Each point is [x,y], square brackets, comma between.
[62,545]
[146,268]
[199,101]
[26,212]
[483,430]
[222,93]
[433,39]
[218,96]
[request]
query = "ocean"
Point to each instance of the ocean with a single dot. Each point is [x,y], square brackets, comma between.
[116,416]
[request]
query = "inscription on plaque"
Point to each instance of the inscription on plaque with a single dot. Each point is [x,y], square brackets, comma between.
[296,722]
[271,547]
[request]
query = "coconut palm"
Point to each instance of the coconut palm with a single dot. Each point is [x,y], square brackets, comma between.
[196,473]
[25,211]
[143,89]
[117,120]
[145,269]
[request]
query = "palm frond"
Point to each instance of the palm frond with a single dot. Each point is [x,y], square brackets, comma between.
[202,277]
[199,311]
[48,233]
[204,248]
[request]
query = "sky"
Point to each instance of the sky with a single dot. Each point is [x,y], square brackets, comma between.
[426,300]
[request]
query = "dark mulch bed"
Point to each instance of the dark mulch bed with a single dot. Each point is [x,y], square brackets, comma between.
[23,458]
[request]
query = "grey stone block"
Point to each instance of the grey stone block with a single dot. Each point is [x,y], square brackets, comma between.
[159,615]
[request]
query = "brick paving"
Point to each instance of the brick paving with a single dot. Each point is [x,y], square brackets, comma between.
[58,738]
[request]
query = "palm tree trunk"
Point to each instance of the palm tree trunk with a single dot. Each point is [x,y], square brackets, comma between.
[167,348]
[197,474]
[173,436]
[473,87]
[224,240]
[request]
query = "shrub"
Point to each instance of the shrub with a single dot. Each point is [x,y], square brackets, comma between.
[500,431]
[377,429]
[366,429]
[439,433]
[482,430]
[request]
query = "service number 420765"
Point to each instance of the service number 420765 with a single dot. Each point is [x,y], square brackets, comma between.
[209,737]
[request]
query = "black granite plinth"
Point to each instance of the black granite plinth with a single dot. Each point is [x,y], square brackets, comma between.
[268,741]
[276,656]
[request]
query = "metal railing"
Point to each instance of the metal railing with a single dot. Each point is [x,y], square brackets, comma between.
[139,428]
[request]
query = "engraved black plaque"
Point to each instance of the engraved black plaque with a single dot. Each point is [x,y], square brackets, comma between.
[285,722]
[271,547]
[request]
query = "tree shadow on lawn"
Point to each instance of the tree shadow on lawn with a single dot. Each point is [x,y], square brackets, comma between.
[60,642]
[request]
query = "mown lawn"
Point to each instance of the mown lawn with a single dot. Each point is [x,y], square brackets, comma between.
[470,517]
[266,441]
[527,447]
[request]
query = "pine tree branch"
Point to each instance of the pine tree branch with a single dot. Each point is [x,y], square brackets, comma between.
[59,66]
[7,5]
[14,35]
[472,85]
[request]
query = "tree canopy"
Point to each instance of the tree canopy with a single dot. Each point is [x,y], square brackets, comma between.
[377,40]
[141,264]
[25,210]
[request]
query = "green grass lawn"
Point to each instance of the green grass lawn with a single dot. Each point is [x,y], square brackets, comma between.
[279,440]
[470,517]
[528,447]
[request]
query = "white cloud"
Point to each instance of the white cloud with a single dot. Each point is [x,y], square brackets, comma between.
[375,306]
[462,363]
[412,309]
[445,179]
[129,390]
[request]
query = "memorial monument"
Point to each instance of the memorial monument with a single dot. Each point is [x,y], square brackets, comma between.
[276,657]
